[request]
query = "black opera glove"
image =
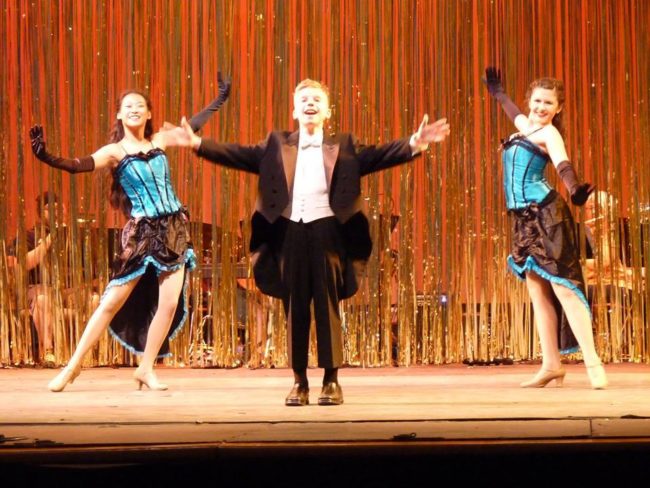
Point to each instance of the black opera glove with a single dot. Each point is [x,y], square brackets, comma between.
[199,120]
[494,85]
[38,143]
[579,191]
[580,196]
[77,165]
[493,81]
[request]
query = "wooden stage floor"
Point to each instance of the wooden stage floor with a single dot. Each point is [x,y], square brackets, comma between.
[235,416]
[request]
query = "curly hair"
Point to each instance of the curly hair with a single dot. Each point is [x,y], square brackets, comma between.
[550,84]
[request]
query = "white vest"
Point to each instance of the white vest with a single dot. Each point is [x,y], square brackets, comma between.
[310,195]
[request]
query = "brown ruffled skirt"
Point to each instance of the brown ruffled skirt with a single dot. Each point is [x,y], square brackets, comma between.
[150,246]
[545,242]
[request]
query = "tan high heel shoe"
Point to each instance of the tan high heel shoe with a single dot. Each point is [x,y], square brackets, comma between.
[148,378]
[544,377]
[67,375]
[597,376]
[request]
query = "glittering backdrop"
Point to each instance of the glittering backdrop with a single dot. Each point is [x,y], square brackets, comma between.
[437,289]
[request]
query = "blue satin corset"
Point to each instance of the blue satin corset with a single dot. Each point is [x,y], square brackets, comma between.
[523,173]
[145,179]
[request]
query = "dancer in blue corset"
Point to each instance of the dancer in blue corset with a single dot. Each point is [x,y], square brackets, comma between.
[144,303]
[544,243]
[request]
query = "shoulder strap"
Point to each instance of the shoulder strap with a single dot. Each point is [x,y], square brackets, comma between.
[531,133]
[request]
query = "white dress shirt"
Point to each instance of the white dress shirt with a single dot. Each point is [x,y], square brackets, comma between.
[310,196]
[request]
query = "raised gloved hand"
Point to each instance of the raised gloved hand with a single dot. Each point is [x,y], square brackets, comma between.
[199,120]
[78,165]
[494,85]
[493,81]
[38,143]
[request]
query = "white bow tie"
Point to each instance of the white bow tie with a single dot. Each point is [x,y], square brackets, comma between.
[310,142]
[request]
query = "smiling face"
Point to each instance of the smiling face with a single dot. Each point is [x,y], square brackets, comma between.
[311,106]
[545,97]
[543,105]
[134,111]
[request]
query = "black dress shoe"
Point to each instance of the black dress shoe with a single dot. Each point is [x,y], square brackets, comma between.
[298,396]
[331,394]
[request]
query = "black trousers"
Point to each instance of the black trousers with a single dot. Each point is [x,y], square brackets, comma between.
[312,271]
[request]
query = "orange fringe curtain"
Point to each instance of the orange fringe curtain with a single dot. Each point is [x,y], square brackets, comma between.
[437,288]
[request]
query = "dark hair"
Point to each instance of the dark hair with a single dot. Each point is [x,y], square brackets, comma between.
[119,200]
[44,199]
[550,84]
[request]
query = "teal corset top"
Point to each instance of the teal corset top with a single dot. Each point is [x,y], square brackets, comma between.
[146,182]
[523,173]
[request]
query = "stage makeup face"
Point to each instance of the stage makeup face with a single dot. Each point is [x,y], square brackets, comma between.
[543,105]
[134,111]
[311,108]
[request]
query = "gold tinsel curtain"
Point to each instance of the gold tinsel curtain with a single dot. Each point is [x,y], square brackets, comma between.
[437,289]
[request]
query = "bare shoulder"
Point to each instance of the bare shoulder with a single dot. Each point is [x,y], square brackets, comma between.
[159,140]
[550,131]
[546,135]
[108,156]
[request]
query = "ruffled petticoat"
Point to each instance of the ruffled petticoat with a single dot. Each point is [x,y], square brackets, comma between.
[150,246]
[545,242]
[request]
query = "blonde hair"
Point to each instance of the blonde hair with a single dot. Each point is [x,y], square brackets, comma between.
[308,83]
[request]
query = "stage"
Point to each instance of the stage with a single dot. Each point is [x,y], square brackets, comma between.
[236,419]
